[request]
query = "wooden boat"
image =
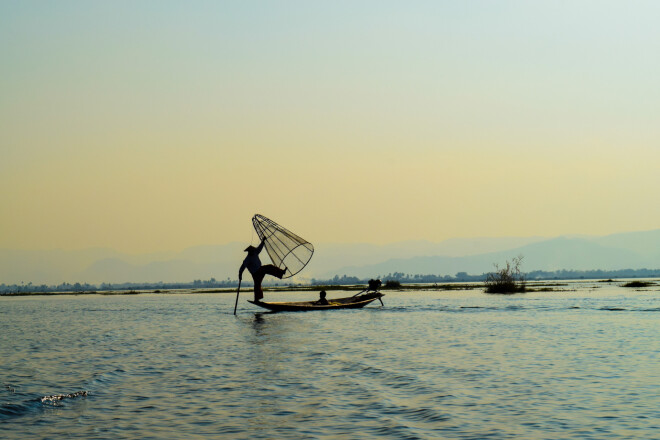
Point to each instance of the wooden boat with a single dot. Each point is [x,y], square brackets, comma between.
[351,302]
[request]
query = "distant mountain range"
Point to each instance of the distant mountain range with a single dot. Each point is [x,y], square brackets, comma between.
[607,253]
[634,250]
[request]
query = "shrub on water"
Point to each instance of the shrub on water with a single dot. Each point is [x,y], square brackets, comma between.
[507,279]
[638,284]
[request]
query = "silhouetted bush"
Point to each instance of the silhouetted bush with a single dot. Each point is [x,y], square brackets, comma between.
[638,284]
[508,279]
[392,284]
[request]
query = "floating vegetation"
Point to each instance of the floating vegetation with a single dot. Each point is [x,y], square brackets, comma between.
[392,284]
[639,284]
[458,286]
[204,291]
[119,292]
[507,279]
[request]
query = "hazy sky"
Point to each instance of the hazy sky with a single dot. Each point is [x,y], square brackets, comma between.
[147,126]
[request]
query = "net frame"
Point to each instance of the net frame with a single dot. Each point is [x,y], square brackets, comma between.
[285,248]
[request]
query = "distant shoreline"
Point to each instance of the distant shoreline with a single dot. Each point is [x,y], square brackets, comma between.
[332,283]
[290,289]
[532,286]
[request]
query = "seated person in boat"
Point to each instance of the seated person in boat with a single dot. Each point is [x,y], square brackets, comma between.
[322,301]
[253,264]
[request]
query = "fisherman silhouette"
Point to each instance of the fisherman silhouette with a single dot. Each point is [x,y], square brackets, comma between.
[253,264]
[322,301]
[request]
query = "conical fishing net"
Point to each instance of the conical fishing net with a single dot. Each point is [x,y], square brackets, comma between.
[285,248]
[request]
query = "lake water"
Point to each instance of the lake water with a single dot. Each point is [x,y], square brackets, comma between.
[579,364]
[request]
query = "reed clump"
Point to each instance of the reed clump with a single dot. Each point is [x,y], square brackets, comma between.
[392,284]
[639,284]
[507,279]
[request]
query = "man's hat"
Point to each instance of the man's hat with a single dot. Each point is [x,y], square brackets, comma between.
[250,248]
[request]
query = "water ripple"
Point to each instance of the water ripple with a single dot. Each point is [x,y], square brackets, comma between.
[427,365]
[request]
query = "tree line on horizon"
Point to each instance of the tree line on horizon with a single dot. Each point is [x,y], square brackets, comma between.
[337,280]
[536,275]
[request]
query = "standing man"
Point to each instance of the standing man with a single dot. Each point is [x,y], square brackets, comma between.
[253,264]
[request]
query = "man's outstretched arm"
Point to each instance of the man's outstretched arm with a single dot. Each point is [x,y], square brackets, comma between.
[261,245]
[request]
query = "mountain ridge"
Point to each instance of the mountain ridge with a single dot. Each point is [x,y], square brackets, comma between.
[633,250]
[550,255]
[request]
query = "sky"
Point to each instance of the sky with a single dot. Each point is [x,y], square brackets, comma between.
[158,125]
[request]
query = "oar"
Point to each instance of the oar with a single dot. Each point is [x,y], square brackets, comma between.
[237,291]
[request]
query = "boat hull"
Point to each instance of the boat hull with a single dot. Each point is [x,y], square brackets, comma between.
[339,303]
